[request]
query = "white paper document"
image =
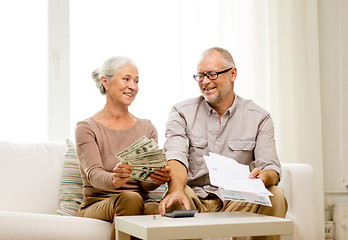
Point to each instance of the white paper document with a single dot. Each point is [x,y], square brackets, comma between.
[233,180]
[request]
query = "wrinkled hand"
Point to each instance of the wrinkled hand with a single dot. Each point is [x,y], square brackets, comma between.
[161,176]
[121,175]
[172,198]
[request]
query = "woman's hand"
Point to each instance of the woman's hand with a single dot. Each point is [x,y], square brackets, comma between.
[121,175]
[161,176]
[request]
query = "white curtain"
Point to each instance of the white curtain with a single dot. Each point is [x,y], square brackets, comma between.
[295,88]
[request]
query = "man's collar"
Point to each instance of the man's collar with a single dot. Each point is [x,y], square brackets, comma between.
[229,111]
[207,107]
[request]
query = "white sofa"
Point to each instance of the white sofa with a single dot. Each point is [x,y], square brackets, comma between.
[30,185]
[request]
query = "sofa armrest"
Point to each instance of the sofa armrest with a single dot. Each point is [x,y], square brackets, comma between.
[298,185]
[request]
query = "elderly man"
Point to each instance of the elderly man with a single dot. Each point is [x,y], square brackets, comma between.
[221,122]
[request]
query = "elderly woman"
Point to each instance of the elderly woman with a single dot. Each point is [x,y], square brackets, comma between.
[107,187]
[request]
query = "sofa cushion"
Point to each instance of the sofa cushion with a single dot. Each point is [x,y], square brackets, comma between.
[30,176]
[71,184]
[14,226]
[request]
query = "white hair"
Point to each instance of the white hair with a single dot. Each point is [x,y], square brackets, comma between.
[108,69]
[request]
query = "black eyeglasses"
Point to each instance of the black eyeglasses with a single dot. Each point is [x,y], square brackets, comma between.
[210,75]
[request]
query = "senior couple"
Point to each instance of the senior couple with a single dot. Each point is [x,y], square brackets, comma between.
[218,121]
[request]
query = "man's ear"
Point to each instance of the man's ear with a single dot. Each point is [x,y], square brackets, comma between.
[233,73]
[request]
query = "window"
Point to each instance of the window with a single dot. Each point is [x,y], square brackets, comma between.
[23,60]
[165,39]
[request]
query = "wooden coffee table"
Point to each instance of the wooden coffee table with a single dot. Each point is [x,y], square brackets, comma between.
[203,225]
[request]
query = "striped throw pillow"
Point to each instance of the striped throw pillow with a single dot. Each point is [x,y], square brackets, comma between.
[71,185]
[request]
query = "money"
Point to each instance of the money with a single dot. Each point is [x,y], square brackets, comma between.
[145,157]
[141,141]
[137,149]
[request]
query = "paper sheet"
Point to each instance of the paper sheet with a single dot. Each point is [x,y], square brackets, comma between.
[233,180]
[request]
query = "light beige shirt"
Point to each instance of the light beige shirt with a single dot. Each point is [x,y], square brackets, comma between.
[245,134]
[96,146]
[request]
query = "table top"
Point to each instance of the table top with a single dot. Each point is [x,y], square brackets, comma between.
[204,224]
[216,218]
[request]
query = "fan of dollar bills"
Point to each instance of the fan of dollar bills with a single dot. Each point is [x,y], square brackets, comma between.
[144,157]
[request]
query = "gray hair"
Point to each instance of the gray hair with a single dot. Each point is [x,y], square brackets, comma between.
[227,58]
[109,68]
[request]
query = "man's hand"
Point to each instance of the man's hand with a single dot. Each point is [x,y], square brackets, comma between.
[172,198]
[176,187]
[269,176]
[161,176]
[121,175]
